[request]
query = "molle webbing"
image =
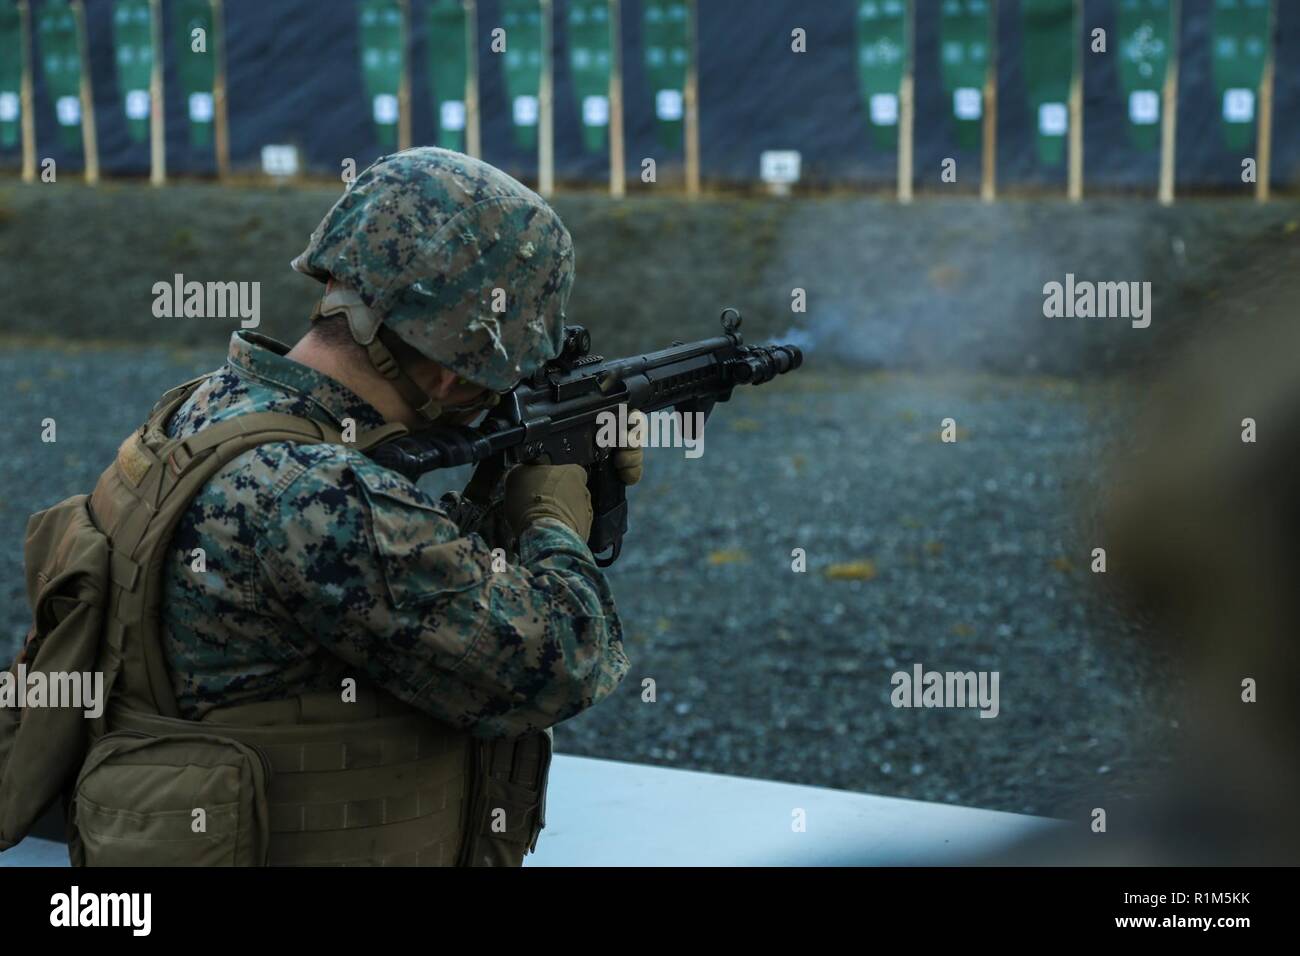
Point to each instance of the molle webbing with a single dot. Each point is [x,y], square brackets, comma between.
[348,784]
[367,782]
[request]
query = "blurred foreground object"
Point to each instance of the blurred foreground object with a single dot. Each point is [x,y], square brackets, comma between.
[1201,540]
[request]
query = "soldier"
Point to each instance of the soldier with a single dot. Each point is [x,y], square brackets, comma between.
[324,613]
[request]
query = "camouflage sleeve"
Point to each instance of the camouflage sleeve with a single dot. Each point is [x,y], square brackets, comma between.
[489,523]
[377,573]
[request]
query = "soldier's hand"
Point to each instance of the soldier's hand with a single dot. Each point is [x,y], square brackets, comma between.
[534,492]
[629,463]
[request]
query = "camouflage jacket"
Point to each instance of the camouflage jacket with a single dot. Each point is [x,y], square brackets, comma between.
[322,565]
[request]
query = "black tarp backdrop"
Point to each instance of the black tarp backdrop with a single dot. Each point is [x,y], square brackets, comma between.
[294,76]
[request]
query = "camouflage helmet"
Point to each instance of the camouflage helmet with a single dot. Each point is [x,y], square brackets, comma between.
[457,259]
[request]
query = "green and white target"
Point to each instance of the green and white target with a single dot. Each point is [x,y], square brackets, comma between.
[60,58]
[963,61]
[882,41]
[1049,65]
[133,52]
[523,66]
[589,62]
[1240,44]
[666,61]
[196,65]
[381,64]
[447,70]
[11,74]
[1144,46]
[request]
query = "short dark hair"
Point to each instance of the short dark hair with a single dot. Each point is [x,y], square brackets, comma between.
[332,330]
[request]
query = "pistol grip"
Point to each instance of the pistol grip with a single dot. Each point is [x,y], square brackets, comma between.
[608,510]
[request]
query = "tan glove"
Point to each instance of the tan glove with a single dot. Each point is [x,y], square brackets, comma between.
[629,463]
[548,491]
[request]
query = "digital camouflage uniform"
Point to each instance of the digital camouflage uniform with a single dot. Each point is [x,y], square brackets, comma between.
[321,564]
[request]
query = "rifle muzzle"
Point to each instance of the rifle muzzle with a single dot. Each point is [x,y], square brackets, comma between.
[757,364]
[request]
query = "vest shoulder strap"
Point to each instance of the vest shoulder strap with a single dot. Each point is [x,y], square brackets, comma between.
[138,502]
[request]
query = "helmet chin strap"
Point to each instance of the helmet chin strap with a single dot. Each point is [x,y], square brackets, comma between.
[379,342]
[380,350]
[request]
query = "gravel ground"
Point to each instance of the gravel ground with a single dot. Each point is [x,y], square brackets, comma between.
[965,556]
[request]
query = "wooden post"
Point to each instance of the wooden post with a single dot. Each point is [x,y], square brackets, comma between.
[691,96]
[26,94]
[617,159]
[157,130]
[1264,116]
[473,140]
[220,117]
[906,107]
[546,105]
[1169,107]
[404,80]
[89,142]
[989,144]
[1075,184]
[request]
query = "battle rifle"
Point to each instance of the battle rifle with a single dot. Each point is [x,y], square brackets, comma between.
[555,414]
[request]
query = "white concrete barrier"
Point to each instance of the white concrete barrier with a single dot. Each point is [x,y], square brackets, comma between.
[605,813]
